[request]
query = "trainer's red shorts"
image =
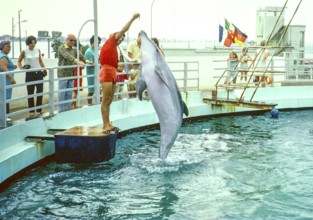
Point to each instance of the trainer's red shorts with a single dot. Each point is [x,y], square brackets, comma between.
[107,74]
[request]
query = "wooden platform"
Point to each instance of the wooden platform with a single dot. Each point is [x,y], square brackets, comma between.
[246,104]
[84,131]
[82,144]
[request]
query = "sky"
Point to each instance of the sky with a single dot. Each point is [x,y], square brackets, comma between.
[171,19]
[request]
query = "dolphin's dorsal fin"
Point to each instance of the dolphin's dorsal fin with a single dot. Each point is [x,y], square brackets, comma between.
[140,86]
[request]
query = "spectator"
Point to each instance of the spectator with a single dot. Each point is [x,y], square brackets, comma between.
[67,56]
[244,58]
[134,52]
[7,65]
[77,82]
[90,70]
[156,41]
[120,77]
[261,62]
[133,76]
[232,61]
[33,60]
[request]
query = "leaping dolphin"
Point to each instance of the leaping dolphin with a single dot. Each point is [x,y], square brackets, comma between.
[157,78]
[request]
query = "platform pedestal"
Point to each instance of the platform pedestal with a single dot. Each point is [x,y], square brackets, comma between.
[84,145]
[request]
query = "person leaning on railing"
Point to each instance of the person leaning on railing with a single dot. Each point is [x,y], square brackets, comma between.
[232,61]
[67,57]
[262,63]
[244,58]
[7,65]
[156,41]
[90,70]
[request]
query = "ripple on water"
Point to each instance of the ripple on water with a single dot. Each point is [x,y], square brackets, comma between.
[245,167]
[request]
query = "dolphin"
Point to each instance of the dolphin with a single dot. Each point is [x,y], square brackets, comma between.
[157,78]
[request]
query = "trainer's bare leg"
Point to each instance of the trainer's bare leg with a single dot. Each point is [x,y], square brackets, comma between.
[108,89]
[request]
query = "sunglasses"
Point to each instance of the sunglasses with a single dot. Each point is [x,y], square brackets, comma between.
[72,40]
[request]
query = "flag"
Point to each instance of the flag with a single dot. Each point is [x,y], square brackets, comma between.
[228,25]
[228,34]
[239,36]
[220,33]
[231,34]
[229,39]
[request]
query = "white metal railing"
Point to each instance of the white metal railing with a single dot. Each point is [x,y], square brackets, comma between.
[290,66]
[186,74]
[291,69]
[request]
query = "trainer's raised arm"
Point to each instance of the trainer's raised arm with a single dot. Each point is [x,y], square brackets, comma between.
[127,26]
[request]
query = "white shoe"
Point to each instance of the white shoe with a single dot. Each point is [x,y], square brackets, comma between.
[9,119]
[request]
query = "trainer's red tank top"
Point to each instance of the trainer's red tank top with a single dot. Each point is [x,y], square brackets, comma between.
[108,53]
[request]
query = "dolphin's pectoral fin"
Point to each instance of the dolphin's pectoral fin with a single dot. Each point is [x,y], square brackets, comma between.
[160,74]
[185,108]
[140,86]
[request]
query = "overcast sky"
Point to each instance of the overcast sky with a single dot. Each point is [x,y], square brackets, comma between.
[171,19]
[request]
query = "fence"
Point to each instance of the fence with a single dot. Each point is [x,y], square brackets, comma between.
[186,74]
[291,69]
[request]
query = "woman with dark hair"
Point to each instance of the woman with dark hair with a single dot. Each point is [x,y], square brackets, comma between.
[156,41]
[7,65]
[33,60]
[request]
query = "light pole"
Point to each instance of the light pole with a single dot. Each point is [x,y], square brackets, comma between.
[19,28]
[96,49]
[151,15]
[12,37]
[13,31]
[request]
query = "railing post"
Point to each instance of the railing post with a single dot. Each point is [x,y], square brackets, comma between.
[185,76]
[272,74]
[51,91]
[198,76]
[96,58]
[3,122]
[97,84]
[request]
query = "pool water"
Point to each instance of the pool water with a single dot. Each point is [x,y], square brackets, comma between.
[243,167]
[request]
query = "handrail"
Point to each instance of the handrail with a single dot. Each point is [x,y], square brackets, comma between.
[257,59]
[253,62]
[279,42]
[186,80]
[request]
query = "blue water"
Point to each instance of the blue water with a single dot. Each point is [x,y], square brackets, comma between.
[243,167]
